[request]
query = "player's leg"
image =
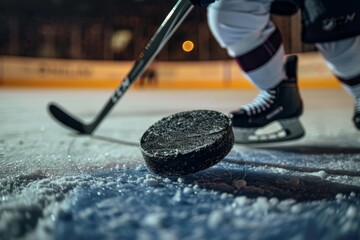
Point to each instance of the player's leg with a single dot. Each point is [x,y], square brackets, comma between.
[245,30]
[343,59]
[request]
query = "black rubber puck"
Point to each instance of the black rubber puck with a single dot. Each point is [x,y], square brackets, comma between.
[187,142]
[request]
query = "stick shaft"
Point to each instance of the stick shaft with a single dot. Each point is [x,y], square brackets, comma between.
[171,23]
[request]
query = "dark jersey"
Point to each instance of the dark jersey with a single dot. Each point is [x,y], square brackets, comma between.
[327,20]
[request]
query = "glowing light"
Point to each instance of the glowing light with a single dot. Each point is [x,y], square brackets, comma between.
[120,40]
[188,46]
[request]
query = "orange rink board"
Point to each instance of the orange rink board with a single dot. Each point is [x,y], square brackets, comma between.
[57,73]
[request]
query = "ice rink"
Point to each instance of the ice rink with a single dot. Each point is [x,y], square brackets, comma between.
[55,184]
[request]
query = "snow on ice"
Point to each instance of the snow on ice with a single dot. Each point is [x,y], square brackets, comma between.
[58,185]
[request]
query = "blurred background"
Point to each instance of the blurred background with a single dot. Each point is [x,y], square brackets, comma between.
[113,31]
[110,30]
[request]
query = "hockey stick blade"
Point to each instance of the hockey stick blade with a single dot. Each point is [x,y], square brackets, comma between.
[69,121]
[172,21]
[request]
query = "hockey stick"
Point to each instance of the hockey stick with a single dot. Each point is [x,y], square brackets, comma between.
[170,24]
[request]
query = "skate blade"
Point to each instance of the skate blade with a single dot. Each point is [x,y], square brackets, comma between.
[290,129]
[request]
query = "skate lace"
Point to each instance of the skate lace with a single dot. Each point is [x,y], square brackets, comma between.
[263,101]
[357,105]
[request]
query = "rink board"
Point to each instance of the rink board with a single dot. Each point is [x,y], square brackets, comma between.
[37,72]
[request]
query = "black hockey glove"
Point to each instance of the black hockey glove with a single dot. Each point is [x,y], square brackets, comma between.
[285,7]
[202,3]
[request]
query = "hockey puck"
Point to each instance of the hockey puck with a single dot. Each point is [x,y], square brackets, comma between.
[187,142]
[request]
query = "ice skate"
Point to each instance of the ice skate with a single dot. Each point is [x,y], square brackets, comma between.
[254,122]
[356,117]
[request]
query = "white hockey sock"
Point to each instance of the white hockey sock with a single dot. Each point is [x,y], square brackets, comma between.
[343,59]
[263,65]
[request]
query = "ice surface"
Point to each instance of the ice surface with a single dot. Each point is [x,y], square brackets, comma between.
[115,205]
[58,185]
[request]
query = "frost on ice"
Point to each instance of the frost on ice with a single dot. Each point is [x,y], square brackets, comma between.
[132,203]
[91,187]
